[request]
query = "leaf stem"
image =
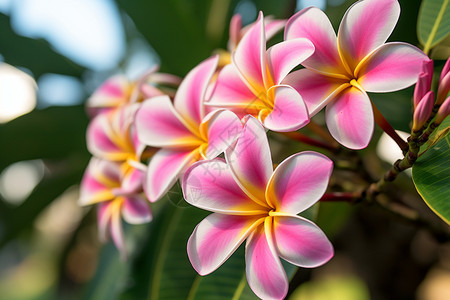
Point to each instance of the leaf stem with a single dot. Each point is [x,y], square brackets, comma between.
[299,137]
[320,131]
[384,124]
[340,197]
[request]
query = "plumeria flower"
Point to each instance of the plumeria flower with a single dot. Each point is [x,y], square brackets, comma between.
[251,84]
[103,185]
[250,200]
[343,69]
[182,130]
[112,136]
[118,90]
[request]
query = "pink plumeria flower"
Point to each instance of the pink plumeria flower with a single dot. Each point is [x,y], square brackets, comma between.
[112,136]
[251,84]
[103,185]
[182,130]
[118,90]
[250,200]
[343,69]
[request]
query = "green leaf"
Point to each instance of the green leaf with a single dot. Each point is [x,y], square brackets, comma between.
[229,280]
[431,176]
[162,269]
[51,133]
[434,22]
[176,29]
[34,54]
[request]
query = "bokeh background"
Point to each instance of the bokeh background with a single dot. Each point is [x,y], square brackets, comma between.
[54,54]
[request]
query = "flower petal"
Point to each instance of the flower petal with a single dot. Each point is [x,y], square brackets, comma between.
[231,92]
[104,220]
[365,26]
[164,169]
[250,161]
[285,56]
[100,177]
[350,118]
[235,31]
[190,95]
[317,90]
[222,128]
[105,141]
[265,273]
[289,112]
[133,180]
[135,210]
[299,182]
[112,93]
[117,229]
[159,125]
[210,185]
[216,238]
[313,24]
[391,67]
[249,57]
[272,26]
[301,242]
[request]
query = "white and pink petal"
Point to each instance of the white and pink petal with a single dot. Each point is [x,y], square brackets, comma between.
[285,56]
[350,118]
[317,90]
[220,128]
[299,182]
[391,67]
[312,23]
[265,273]
[216,238]
[135,210]
[289,112]
[301,242]
[249,57]
[190,95]
[164,169]
[250,160]
[365,26]
[159,125]
[210,185]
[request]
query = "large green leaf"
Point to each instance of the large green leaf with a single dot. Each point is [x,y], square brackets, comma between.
[33,54]
[51,133]
[434,22]
[162,269]
[431,175]
[229,280]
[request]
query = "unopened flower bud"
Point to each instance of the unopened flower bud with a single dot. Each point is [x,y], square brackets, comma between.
[443,89]
[423,111]
[421,88]
[427,68]
[445,69]
[423,84]
[443,111]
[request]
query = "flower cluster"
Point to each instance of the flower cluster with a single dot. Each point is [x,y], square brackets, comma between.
[225,105]
[114,176]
